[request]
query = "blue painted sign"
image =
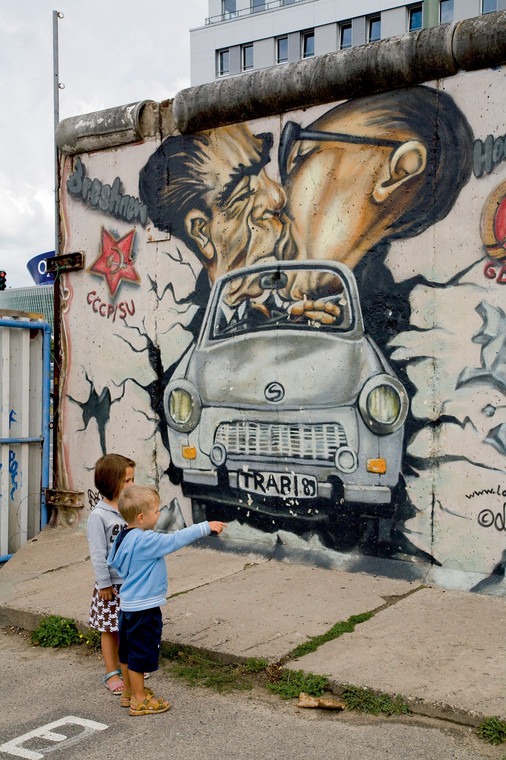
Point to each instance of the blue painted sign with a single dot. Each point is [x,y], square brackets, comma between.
[38,270]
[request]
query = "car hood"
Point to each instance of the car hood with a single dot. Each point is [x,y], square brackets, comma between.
[317,369]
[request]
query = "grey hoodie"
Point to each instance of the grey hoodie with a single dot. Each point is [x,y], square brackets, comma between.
[104,524]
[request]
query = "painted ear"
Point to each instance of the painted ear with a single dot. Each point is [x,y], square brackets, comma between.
[406,161]
[197,228]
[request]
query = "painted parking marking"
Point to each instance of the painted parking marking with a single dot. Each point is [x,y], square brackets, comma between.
[46,734]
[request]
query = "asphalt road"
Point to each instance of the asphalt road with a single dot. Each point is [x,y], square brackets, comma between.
[46,686]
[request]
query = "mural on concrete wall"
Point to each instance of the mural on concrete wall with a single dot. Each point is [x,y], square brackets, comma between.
[308,341]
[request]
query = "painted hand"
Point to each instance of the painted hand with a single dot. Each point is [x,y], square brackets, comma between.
[325,312]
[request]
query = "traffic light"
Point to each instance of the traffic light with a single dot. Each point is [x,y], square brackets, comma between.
[3,276]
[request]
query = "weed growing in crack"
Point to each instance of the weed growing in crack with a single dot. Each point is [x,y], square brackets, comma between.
[344,626]
[56,631]
[292,682]
[492,730]
[198,669]
[366,701]
[255,665]
[91,638]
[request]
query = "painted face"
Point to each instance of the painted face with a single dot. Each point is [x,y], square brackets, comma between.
[330,186]
[341,178]
[150,517]
[245,224]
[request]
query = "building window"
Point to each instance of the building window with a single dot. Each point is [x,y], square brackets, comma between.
[374,29]
[288,2]
[282,50]
[446,11]
[257,5]
[415,18]
[228,8]
[345,36]
[308,44]
[223,62]
[247,57]
[488,6]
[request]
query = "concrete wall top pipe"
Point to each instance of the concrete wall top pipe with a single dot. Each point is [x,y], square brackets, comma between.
[108,128]
[403,61]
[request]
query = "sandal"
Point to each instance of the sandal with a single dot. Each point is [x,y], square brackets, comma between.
[127,696]
[119,685]
[148,706]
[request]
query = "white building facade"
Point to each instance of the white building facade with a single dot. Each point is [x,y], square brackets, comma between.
[247,35]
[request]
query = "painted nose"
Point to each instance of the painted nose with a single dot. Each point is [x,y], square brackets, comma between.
[270,198]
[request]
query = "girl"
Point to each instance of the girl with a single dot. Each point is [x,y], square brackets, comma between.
[113,473]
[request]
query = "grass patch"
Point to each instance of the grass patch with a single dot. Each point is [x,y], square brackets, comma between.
[292,682]
[255,665]
[56,631]
[198,669]
[344,626]
[492,730]
[366,701]
[91,638]
[178,593]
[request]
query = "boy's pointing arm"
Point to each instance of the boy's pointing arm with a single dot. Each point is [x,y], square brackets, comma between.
[171,542]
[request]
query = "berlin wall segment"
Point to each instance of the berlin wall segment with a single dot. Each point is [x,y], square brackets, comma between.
[305,333]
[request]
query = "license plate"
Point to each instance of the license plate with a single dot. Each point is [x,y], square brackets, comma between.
[288,485]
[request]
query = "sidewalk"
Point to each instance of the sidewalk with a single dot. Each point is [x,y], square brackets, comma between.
[444,651]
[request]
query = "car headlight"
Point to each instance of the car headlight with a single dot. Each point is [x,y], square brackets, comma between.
[383,404]
[182,406]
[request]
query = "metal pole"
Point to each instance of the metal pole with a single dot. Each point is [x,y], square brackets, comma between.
[56,107]
[56,377]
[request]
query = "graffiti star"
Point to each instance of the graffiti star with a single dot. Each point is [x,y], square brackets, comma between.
[114,261]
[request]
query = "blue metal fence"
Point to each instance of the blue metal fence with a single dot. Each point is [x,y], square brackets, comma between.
[25,384]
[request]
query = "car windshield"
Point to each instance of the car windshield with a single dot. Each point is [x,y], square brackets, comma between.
[291,299]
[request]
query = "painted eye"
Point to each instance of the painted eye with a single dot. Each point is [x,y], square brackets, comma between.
[243,196]
[304,149]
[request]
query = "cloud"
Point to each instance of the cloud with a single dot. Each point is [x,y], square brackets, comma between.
[26,228]
[110,53]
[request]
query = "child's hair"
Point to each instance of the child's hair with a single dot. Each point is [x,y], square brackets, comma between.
[136,500]
[110,473]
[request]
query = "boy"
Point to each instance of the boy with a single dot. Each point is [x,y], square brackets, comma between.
[138,556]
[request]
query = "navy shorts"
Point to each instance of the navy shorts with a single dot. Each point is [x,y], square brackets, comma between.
[140,636]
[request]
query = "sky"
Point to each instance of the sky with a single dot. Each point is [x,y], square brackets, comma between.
[111,52]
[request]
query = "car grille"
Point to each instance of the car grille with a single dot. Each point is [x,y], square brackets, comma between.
[264,439]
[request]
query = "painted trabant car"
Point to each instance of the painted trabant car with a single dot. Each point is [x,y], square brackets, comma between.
[285,409]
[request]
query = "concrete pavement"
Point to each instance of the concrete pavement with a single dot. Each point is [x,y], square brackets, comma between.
[444,651]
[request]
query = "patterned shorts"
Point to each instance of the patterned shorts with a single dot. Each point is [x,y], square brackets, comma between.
[103,614]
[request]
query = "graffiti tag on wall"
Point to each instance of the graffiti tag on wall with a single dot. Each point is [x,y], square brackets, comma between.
[106,198]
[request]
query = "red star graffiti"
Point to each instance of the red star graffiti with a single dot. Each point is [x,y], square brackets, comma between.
[114,261]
